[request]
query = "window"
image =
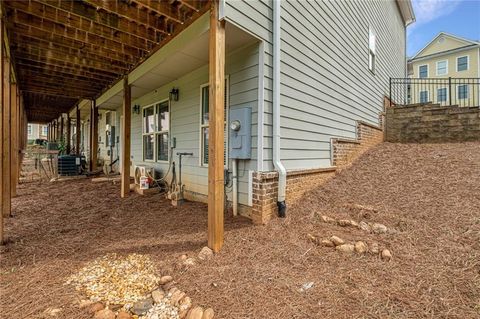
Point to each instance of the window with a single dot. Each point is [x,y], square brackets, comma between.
[44,130]
[163,126]
[423,71]
[463,92]
[442,95]
[442,67]
[371,50]
[29,129]
[423,96]
[204,129]
[462,63]
[156,125]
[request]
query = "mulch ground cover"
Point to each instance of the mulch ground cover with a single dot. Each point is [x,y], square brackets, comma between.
[429,194]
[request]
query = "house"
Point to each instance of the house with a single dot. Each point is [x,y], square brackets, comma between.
[36,131]
[447,56]
[263,99]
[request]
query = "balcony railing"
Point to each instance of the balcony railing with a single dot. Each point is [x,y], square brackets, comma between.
[442,91]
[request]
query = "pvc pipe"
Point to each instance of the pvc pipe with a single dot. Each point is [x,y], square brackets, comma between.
[282,172]
[235,187]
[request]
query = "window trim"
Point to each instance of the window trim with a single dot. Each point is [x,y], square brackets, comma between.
[420,96]
[202,126]
[156,132]
[44,130]
[29,129]
[467,93]
[428,71]
[446,67]
[446,94]
[372,51]
[468,62]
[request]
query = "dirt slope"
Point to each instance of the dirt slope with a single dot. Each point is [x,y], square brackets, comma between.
[429,194]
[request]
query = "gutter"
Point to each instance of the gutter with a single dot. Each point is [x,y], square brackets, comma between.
[282,172]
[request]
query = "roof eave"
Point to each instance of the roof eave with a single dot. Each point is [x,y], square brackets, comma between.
[406,9]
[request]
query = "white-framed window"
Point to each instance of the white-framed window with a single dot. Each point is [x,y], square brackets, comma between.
[423,96]
[462,63]
[442,95]
[155,131]
[372,52]
[442,67]
[204,122]
[44,130]
[423,71]
[462,92]
[29,129]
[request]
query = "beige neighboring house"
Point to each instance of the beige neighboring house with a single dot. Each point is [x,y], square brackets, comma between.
[446,56]
[37,131]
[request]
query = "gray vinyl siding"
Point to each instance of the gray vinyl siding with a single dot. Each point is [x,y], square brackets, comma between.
[325,81]
[242,69]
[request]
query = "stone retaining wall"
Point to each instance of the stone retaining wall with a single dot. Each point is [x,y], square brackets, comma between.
[432,124]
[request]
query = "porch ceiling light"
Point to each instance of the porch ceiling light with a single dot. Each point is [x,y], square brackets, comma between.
[174,94]
[136,109]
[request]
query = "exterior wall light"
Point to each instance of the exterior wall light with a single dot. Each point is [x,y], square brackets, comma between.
[174,93]
[136,109]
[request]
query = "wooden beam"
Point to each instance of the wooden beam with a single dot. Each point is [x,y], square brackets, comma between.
[2,110]
[14,139]
[160,8]
[216,130]
[6,169]
[77,134]
[126,126]
[93,135]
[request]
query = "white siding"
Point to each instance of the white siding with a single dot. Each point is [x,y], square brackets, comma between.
[242,69]
[325,81]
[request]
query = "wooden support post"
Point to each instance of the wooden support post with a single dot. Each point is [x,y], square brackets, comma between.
[2,108]
[93,135]
[126,125]
[77,134]
[13,139]
[62,129]
[6,169]
[216,130]
[69,133]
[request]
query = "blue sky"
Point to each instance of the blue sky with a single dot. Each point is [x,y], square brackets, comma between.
[458,17]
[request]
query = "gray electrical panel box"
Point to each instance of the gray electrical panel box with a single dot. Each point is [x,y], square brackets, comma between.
[240,133]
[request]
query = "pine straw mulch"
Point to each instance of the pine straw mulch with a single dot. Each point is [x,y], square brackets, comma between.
[430,194]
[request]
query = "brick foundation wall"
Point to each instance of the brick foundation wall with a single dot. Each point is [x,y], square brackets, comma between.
[265,190]
[432,124]
[345,151]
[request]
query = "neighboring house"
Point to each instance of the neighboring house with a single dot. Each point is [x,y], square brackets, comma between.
[446,56]
[335,61]
[36,131]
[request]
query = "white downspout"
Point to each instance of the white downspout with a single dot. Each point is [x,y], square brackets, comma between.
[282,172]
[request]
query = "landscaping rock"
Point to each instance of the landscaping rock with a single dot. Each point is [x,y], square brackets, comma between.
[327,219]
[189,262]
[379,228]
[327,243]
[374,248]
[344,222]
[104,314]
[176,297]
[346,248]
[185,305]
[96,307]
[85,303]
[365,227]
[205,254]
[158,295]
[165,280]
[337,240]
[386,254]
[141,307]
[195,313]
[312,238]
[183,257]
[361,247]
[208,314]
[124,315]
[353,223]
[54,311]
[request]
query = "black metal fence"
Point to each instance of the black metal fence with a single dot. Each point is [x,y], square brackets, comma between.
[442,91]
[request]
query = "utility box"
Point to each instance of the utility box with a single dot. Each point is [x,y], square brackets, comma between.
[240,133]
